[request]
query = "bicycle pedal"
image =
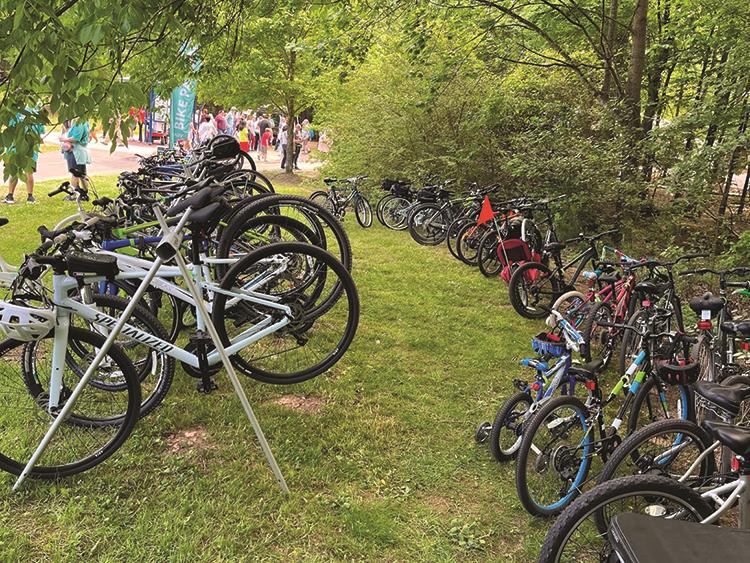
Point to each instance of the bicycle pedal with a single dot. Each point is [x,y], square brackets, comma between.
[206,389]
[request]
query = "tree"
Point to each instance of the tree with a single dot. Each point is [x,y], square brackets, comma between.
[282,55]
[91,59]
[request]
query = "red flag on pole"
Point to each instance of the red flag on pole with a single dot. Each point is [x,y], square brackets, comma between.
[486,214]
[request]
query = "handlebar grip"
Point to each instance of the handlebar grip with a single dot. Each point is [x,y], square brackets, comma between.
[59,190]
[46,233]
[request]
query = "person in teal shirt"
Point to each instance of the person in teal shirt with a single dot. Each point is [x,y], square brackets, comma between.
[38,129]
[74,150]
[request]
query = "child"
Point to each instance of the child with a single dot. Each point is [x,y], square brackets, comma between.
[243,136]
[265,140]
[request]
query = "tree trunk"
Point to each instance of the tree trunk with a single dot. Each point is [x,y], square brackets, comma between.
[632,118]
[290,145]
[610,48]
[654,85]
[723,99]
[291,110]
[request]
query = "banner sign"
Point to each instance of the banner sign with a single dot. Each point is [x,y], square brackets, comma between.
[181,112]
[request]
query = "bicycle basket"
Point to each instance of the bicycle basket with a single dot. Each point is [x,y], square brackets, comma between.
[677,374]
[24,323]
[546,343]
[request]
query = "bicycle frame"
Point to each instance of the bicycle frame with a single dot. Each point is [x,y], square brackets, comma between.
[738,489]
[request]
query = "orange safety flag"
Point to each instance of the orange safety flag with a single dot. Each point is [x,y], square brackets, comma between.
[486,214]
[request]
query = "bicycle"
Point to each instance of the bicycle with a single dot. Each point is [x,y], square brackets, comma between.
[337,203]
[562,433]
[581,532]
[554,371]
[534,286]
[716,343]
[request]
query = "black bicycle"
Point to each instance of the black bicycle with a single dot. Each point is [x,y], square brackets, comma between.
[341,194]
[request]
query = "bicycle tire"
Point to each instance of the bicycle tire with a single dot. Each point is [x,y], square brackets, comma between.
[600,341]
[119,426]
[426,234]
[521,288]
[643,403]
[593,502]
[487,258]
[530,430]
[394,213]
[627,451]
[363,212]
[312,313]
[502,419]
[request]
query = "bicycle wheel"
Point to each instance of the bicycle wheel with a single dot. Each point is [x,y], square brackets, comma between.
[580,534]
[451,236]
[363,212]
[532,290]
[379,207]
[573,306]
[324,306]
[395,213]
[329,232]
[600,340]
[487,258]
[554,457]
[467,241]
[428,224]
[321,198]
[667,448]
[506,434]
[655,400]
[99,424]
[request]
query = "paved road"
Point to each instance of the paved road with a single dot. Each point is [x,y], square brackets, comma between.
[52,166]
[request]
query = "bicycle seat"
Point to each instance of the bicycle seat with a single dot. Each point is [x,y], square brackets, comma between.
[650,287]
[728,397]
[736,438]
[3,221]
[89,263]
[742,327]
[589,371]
[707,302]
[610,278]
[554,246]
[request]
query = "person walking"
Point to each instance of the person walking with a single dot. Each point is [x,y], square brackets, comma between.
[221,123]
[206,130]
[76,154]
[265,141]
[231,118]
[141,122]
[298,140]
[38,130]
[243,136]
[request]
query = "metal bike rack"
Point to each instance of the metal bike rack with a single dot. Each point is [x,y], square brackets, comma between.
[174,239]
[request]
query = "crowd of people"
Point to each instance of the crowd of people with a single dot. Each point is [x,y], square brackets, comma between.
[257,132]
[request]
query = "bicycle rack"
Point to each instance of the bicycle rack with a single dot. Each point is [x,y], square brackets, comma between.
[173,239]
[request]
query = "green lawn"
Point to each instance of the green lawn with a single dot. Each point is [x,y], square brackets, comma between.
[381,460]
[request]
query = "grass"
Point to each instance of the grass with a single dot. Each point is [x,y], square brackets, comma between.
[384,468]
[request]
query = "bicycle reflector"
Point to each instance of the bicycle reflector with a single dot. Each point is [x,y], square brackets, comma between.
[705,325]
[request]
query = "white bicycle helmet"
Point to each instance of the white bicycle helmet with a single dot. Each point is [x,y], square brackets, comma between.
[25,323]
